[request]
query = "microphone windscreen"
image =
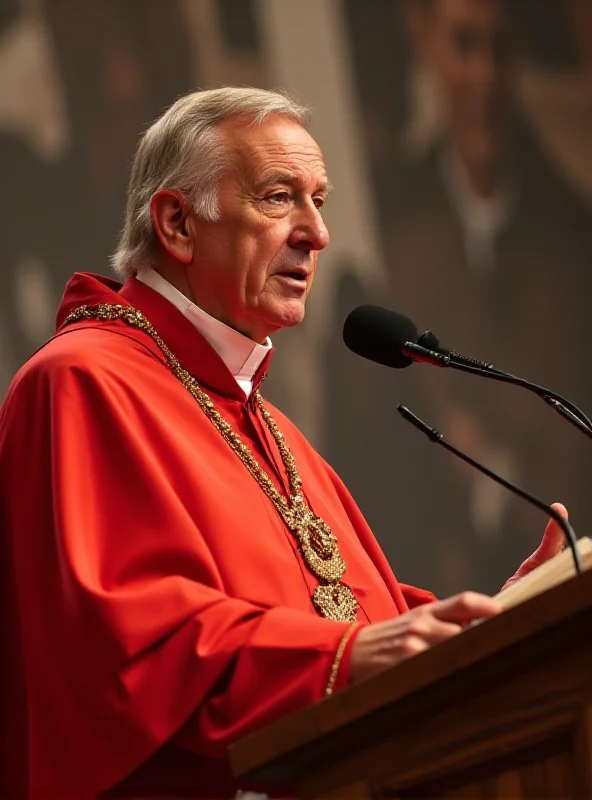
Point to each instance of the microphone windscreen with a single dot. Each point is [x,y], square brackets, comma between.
[379,335]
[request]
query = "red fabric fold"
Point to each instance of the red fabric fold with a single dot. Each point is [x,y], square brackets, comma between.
[163,607]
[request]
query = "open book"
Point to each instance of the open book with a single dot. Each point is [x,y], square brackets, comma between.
[551,573]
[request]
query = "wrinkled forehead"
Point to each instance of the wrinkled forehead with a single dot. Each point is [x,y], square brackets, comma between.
[278,144]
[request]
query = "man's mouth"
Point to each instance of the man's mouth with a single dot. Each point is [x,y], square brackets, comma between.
[294,281]
[295,274]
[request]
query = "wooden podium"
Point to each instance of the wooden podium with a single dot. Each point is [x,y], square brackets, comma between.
[504,710]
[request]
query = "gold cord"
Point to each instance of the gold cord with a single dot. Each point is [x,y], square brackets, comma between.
[317,543]
[337,660]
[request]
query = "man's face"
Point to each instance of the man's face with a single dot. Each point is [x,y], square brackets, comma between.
[466,44]
[253,268]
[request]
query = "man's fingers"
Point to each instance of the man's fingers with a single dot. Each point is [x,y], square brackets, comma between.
[554,538]
[407,647]
[561,509]
[386,643]
[465,607]
[431,629]
[552,544]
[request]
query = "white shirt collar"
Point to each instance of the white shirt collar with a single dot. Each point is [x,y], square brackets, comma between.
[241,355]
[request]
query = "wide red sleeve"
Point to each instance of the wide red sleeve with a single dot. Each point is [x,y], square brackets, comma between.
[416,597]
[127,636]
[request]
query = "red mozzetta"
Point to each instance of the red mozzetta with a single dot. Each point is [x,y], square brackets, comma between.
[158,605]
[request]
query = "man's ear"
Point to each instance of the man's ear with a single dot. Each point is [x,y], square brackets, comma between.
[169,211]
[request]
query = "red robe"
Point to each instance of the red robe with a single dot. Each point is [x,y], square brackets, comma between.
[156,605]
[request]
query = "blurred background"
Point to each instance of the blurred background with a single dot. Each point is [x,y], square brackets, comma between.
[458,135]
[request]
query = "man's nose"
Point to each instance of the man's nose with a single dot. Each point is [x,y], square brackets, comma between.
[309,231]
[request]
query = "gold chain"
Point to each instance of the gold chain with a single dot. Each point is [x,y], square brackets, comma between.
[317,543]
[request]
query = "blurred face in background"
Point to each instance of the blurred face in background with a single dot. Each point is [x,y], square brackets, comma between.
[466,45]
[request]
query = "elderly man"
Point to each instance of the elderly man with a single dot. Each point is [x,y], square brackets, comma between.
[181,565]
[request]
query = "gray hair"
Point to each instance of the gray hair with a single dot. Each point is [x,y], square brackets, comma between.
[183,151]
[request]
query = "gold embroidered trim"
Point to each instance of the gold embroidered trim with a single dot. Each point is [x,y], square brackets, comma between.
[317,543]
[337,660]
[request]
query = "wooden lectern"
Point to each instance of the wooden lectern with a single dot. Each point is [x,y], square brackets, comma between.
[504,710]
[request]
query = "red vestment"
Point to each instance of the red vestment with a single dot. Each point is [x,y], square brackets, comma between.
[157,606]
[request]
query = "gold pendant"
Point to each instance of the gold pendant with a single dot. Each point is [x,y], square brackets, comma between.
[318,545]
[336,602]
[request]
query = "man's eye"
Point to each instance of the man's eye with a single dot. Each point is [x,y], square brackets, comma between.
[278,197]
[319,201]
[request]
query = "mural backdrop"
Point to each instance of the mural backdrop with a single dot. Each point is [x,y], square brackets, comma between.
[458,134]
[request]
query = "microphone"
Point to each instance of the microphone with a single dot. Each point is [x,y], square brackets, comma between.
[430,340]
[380,335]
[391,339]
[438,438]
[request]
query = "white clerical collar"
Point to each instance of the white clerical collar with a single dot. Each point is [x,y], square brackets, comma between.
[241,355]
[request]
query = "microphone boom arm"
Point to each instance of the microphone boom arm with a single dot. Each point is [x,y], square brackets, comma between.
[438,438]
[566,408]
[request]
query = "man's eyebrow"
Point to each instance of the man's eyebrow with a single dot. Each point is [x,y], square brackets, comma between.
[285,176]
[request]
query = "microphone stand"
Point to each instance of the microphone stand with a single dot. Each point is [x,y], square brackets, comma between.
[566,408]
[438,438]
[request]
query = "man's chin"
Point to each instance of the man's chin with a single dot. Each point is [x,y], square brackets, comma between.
[288,315]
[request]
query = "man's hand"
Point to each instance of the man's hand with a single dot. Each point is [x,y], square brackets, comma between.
[553,543]
[387,643]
